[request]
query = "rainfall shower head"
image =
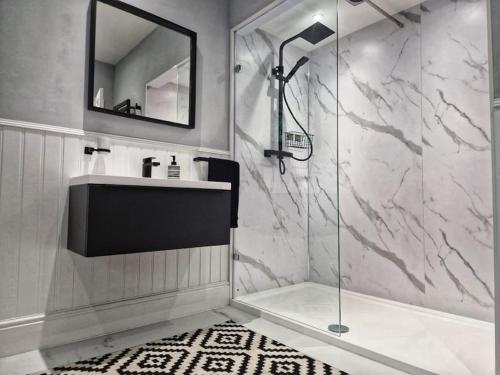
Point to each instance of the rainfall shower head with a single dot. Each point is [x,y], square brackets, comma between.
[313,34]
[355,2]
[303,60]
[316,33]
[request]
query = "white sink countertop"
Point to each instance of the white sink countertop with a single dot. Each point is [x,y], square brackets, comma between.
[140,181]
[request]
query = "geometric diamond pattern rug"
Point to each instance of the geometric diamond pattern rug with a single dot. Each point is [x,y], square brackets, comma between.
[227,348]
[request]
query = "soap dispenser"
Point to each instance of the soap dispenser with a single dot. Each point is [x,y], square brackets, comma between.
[174,170]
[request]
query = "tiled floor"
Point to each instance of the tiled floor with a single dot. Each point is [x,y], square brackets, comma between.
[426,339]
[40,360]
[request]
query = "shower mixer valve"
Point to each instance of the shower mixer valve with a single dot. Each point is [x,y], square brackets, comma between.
[277,72]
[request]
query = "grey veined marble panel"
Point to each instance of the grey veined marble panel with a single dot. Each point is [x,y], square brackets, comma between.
[272,234]
[410,109]
[323,201]
[457,179]
[380,162]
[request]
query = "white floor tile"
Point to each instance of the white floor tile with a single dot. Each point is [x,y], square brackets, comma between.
[44,359]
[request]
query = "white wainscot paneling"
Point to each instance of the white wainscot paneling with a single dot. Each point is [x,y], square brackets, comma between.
[41,279]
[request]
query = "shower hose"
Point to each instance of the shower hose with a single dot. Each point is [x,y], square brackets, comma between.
[281,161]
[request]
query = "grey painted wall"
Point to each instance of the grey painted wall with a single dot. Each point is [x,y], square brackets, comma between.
[42,61]
[495,10]
[43,68]
[157,53]
[240,10]
[104,77]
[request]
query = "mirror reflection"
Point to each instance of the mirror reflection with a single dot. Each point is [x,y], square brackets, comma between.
[141,68]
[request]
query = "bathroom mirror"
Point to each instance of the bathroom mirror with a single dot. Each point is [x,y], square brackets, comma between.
[141,66]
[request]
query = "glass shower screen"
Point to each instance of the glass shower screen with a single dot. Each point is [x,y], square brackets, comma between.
[286,250]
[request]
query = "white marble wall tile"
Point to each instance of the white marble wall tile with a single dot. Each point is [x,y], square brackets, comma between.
[379,118]
[380,161]
[404,120]
[323,200]
[414,164]
[272,235]
[457,157]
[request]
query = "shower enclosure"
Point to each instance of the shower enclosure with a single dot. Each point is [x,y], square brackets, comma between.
[388,226]
[281,216]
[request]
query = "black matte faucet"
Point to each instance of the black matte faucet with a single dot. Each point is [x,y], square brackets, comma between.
[147,166]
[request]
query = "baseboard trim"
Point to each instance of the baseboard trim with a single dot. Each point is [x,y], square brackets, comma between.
[82,133]
[48,330]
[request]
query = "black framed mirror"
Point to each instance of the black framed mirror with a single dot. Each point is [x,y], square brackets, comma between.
[141,66]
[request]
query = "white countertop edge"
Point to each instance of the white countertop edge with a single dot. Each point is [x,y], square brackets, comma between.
[140,181]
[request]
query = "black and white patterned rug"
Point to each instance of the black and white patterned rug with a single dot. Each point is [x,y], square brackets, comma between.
[227,348]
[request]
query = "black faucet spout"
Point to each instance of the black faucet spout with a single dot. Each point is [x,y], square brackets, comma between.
[147,166]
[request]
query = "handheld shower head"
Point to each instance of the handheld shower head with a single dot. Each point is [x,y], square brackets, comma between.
[303,60]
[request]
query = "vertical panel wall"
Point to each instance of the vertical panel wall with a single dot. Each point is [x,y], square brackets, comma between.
[38,273]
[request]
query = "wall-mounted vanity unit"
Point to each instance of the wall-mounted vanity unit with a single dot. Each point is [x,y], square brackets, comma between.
[141,66]
[111,215]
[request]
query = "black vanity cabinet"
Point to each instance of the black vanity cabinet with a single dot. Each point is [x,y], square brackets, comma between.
[109,219]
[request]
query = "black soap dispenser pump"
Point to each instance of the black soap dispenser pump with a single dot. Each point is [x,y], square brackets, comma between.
[174,170]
